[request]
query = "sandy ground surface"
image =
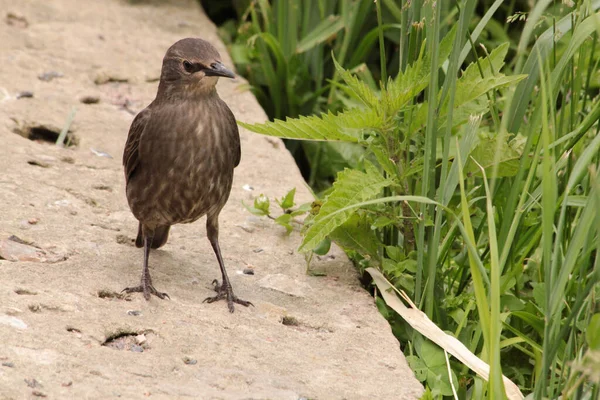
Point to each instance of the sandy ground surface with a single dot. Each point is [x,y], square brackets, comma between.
[64,331]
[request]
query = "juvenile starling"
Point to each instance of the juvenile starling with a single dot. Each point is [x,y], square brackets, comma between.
[180,154]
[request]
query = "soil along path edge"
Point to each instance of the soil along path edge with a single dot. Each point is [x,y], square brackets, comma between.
[66,237]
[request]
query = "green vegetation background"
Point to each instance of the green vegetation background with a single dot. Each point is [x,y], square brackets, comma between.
[452,145]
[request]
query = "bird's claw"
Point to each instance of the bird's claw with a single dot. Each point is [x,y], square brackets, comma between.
[147,291]
[225,291]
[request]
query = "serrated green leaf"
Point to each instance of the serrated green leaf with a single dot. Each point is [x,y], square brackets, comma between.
[384,160]
[351,187]
[468,90]
[356,234]
[489,65]
[501,150]
[347,126]
[322,32]
[360,89]
[414,79]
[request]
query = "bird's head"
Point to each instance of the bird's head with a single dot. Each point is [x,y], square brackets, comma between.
[193,64]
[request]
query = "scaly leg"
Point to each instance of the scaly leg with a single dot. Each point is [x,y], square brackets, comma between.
[224,291]
[146,281]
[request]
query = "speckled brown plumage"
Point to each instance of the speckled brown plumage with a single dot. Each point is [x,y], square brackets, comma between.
[180,155]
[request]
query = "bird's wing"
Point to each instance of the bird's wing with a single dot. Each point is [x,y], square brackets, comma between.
[232,124]
[131,153]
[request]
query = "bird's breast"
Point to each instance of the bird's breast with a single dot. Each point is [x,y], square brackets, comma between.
[188,171]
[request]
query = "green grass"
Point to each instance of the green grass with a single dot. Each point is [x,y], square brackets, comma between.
[475,188]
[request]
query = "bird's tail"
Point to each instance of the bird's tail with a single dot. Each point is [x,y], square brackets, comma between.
[161,234]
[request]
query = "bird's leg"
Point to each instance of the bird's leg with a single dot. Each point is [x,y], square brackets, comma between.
[224,291]
[146,281]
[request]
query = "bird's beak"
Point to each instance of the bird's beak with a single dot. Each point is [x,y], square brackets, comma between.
[218,69]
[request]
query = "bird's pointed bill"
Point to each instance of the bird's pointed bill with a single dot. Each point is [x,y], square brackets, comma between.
[218,69]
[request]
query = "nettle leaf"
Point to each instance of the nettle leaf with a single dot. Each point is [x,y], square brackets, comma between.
[356,234]
[472,85]
[347,126]
[350,188]
[490,66]
[399,91]
[501,150]
[415,78]
[360,89]
[384,160]
[470,89]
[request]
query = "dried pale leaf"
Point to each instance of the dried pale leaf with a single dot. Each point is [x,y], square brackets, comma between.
[419,321]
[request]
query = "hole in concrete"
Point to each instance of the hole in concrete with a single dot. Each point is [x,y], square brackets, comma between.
[124,239]
[35,308]
[126,339]
[45,134]
[111,294]
[73,330]
[38,163]
[25,292]
[289,321]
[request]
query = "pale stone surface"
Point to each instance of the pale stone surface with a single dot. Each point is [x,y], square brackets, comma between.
[55,317]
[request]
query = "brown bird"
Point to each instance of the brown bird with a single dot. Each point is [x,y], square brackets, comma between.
[179,157]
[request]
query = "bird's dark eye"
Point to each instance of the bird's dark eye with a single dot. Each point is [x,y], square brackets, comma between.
[188,66]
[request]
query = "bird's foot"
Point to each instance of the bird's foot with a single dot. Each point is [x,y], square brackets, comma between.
[225,291]
[147,290]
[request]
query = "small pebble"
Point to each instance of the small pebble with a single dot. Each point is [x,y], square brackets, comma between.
[67,384]
[49,75]
[136,348]
[37,393]
[33,221]
[32,383]
[134,313]
[8,364]
[247,188]
[100,153]
[258,250]
[141,339]
[248,271]
[189,361]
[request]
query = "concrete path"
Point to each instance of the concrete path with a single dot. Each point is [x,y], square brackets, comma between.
[64,331]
